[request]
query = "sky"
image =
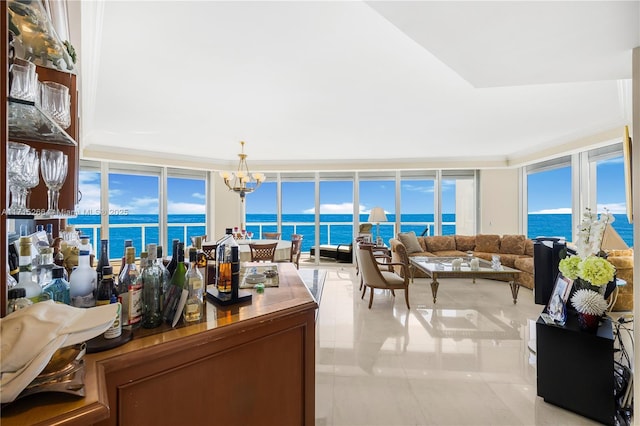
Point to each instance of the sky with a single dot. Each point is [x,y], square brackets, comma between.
[549,192]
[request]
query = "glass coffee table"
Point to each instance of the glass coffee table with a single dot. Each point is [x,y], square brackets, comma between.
[442,267]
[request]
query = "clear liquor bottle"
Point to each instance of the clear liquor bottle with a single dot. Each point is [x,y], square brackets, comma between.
[151,290]
[166,277]
[84,278]
[193,307]
[130,290]
[26,279]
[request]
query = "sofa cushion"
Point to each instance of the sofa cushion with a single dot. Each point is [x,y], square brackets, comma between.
[441,243]
[465,242]
[512,244]
[488,243]
[615,253]
[410,241]
[528,247]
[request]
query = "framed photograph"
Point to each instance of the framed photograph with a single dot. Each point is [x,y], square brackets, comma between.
[366,237]
[556,308]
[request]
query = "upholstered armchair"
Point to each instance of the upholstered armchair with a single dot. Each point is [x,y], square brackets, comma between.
[376,275]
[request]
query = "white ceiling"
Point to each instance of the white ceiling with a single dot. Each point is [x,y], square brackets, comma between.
[335,84]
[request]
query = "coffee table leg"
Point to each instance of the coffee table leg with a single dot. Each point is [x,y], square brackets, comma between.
[515,287]
[434,288]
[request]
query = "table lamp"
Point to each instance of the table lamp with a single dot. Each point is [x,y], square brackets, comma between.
[376,216]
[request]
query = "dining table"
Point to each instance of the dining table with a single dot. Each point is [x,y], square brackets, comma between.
[283,249]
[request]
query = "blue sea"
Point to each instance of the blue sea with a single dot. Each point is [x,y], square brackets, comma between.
[334,228]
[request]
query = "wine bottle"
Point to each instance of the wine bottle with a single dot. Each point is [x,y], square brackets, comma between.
[171,267]
[83,281]
[14,261]
[177,284]
[151,290]
[105,288]
[104,258]
[127,243]
[193,307]
[130,290]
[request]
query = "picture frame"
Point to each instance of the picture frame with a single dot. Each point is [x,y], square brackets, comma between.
[366,237]
[556,307]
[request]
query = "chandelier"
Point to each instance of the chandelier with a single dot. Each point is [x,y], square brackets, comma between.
[242,181]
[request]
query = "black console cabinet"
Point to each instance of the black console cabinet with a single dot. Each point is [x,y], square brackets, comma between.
[575,368]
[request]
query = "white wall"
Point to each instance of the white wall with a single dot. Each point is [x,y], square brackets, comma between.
[498,201]
[227,209]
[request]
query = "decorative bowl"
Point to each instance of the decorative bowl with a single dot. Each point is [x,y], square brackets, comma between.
[255,278]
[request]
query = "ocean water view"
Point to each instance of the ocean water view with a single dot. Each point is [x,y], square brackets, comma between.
[334,228]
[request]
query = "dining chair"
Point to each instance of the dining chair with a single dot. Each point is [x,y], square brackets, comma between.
[263,252]
[294,257]
[271,235]
[375,274]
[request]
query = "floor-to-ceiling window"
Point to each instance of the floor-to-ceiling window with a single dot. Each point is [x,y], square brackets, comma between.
[89,210]
[261,208]
[133,208]
[378,189]
[186,207]
[549,199]
[417,190]
[610,189]
[336,209]
[298,206]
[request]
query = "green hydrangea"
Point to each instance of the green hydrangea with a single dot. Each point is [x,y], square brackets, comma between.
[569,267]
[597,270]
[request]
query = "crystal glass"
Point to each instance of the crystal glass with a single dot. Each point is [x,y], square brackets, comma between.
[23,178]
[16,157]
[55,101]
[24,80]
[249,235]
[54,166]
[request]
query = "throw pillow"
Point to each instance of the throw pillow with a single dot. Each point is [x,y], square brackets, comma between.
[488,243]
[410,242]
[512,244]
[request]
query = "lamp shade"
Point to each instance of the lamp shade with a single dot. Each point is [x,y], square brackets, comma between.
[377,215]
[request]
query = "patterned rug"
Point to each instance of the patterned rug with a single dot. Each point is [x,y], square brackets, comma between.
[314,280]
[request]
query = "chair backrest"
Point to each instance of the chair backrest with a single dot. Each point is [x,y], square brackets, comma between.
[296,237]
[271,235]
[369,267]
[263,252]
[294,257]
[210,251]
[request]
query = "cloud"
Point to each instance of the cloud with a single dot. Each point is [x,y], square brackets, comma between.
[185,208]
[417,188]
[559,210]
[614,208]
[198,195]
[343,208]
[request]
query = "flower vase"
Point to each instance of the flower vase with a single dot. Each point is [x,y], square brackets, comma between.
[588,322]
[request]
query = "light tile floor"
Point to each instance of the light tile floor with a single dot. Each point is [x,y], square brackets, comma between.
[464,362]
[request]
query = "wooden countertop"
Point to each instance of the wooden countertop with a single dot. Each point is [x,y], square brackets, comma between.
[291,297]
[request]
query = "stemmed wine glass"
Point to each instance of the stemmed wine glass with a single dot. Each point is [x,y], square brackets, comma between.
[23,179]
[16,157]
[54,166]
[249,235]
[244,234]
